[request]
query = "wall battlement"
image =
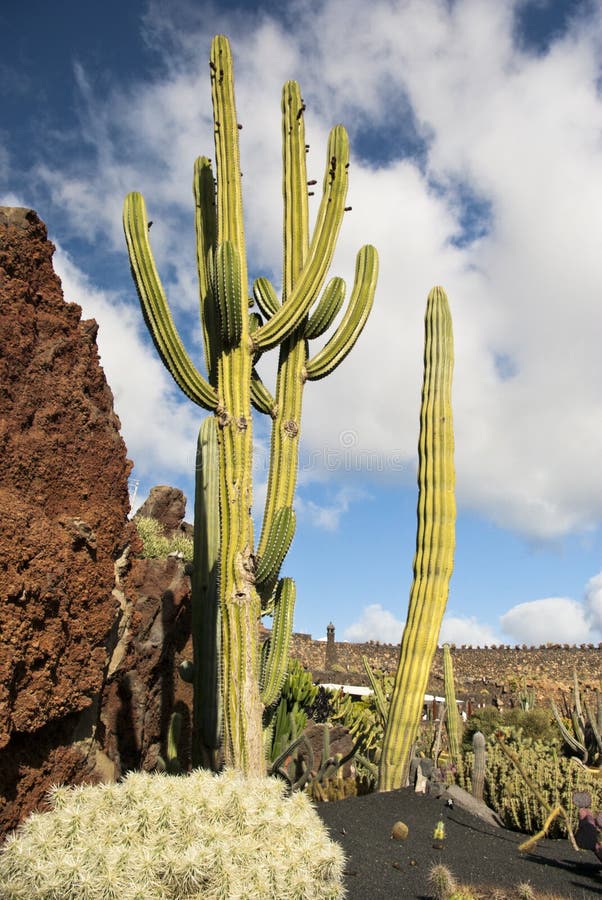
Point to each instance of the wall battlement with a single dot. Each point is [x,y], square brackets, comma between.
[483,673]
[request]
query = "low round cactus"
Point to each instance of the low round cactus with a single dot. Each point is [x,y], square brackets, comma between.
[159,836]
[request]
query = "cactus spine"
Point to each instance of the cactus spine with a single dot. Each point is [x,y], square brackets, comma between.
[433,562]
[452,722]
[234,583]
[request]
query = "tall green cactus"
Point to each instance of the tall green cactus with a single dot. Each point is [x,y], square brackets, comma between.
[452,721]
[234,583]
[433,562]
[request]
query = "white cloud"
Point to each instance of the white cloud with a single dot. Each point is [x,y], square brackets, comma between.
[327,516]
[549,620]
[519,131]
[466,630]
[159,429]
[379,624]
[375,624]
[593,601]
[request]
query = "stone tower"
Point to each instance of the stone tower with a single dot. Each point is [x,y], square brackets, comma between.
[331,650]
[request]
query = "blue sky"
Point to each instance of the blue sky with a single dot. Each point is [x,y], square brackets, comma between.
[476,139]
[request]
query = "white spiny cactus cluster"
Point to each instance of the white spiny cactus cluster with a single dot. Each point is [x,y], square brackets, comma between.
[219,837]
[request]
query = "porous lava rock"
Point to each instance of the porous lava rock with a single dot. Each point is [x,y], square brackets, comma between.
[63,522]
[168,506]
[143,686]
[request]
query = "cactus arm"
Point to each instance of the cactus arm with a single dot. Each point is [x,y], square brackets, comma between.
[324,314]
[275,658]
[206,616]
[321,250]
[435,541]
[284,443]
[350,328]
[261,398]
[279,540]
[227,154]
[265,297]
[203,185]
[453,724]
[379,695]
[155,309]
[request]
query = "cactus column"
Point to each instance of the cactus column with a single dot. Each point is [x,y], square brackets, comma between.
[433,562]
[233,583]
[452,721]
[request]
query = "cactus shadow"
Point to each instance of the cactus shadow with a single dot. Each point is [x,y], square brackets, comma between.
[590,870]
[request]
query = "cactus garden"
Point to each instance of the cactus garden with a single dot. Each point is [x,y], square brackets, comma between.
[269,784]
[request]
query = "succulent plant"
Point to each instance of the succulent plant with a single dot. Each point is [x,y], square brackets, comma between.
[452,722]
[435,541]
[234,581]
[159,836]
[586,736]
[478,765]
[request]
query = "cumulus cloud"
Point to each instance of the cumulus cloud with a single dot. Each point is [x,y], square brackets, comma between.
[157,425]
[466,630]
[487,188]
[379,624]
[549,620]
[375,624]
[593,601]
[327,516]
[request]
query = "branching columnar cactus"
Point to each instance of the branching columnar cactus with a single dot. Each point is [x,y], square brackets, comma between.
[234,582]
[452,722]
[433,562]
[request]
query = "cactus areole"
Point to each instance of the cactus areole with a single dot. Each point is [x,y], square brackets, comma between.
[234,583]
[435,540]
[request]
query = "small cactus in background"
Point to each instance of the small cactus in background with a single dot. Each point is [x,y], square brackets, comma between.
[234,582]
[439,834]
[478,765]
[155,545]
[526,696]
[452,722]
[289,717]
[400,831]
[435,541]
[586,739]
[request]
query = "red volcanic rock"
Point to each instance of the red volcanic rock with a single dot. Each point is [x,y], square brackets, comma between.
[63,516]
[143,686]
[168,506]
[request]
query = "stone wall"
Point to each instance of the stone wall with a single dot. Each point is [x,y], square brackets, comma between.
[482,673]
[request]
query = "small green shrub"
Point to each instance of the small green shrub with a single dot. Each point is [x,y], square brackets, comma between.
[161,836]
[487,719]
[536,724]
[156,545]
